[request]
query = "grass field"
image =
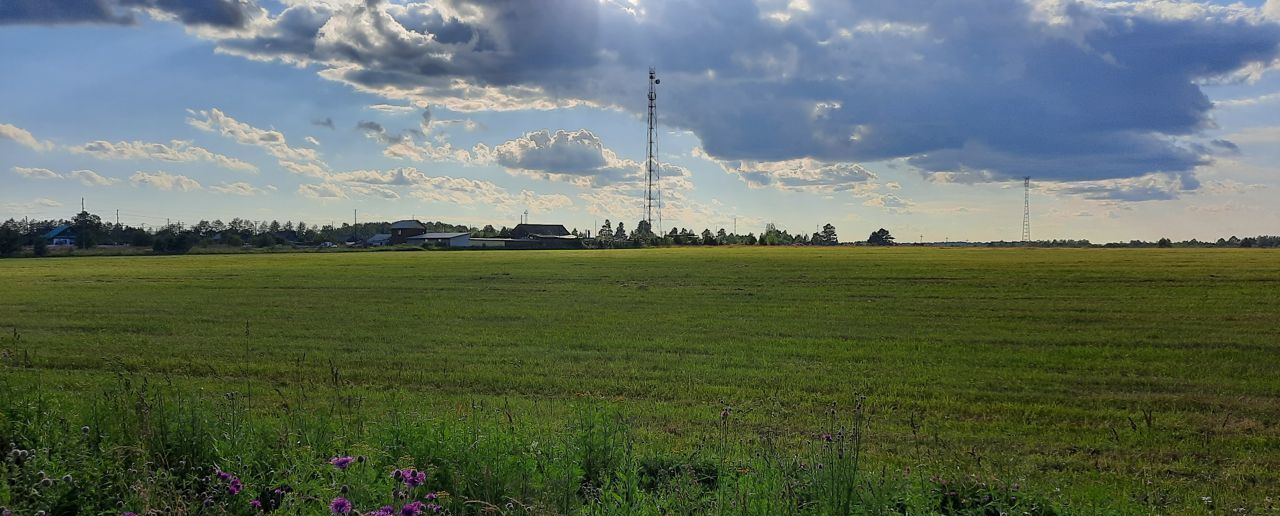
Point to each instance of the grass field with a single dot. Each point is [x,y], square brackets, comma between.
[1100,380]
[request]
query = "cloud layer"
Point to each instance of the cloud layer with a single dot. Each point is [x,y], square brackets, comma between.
[1058,89]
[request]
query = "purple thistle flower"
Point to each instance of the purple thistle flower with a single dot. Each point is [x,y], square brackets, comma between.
[255,503]
[342,462]
[340,505]
[235,486]
[413,509]
[386,510]
[410,476]
[129,513]
[431,496]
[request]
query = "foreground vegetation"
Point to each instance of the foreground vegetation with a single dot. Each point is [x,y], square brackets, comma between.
[701,380]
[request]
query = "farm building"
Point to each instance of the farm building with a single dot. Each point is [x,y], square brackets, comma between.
[441,239]
[379,239]
[61,235]
[401,230]
[523,231]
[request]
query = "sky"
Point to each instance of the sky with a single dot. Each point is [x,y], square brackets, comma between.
[1135,119]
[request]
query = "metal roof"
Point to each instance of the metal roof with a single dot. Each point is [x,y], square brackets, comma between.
[434,236]
[58,231]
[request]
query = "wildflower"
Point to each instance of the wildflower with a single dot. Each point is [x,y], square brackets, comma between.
[340,505]
[84,429]
[66,478]
[128,513]
[724,414]
[255,503]
[826,436]
[431,496]
[46,482]
[386,510]
[341,462]
[235,486]
[413,509]
[411,477]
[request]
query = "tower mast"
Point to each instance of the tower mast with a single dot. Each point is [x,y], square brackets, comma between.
[652,172]
[1026,209]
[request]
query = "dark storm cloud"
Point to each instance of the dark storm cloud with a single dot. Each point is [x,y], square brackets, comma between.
[992,89]
[213,13]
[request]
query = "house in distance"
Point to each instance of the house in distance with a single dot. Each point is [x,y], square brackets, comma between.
[401,230]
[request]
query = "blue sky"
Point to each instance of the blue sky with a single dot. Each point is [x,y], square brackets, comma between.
[1135,119]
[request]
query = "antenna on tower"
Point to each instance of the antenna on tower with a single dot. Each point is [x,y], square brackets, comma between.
[651,163]
[1026,209]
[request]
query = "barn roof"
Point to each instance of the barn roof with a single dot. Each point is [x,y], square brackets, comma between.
[407,224]
[434,236]
[543,230]
[59,231]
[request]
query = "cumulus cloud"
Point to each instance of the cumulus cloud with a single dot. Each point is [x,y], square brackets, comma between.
[23,137]
[577,157]
[312,140]
[164,181]
[304,169]
[1150,187]
[35,204]
[215,121]
[238,188]
[804,174]
[175,151]
[990,88]
[36,173]
[91,178]
[212,13]
[322,191]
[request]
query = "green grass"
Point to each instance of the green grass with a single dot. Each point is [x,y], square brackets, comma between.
[1107,380]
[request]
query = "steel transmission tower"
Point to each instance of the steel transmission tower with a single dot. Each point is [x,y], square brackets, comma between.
[1026,209]
[653,194]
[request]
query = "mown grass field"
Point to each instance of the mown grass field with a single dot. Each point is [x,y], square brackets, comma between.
[1107,380]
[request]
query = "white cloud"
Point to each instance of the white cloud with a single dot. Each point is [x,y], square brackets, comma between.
[23,137]
[215,121]
[164,181]
[36,173]
[237,188]
[34,204]
[312,140]
[304,169]
[322,191]
[91,178]
[805,174]
[174,151]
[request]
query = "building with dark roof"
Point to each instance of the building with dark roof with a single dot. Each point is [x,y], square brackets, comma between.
[540,231]
[378,240]
[401,230]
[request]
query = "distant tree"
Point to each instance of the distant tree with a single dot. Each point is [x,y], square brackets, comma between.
[606,230]
[620,234]
[10,240]
[673,233]
[40,247]
[828,236]
[88,229]
[880,237]
[722,237]
[1248,242]
[708,238]
[1164,242]
[750,239]
[505,232]
[643,232]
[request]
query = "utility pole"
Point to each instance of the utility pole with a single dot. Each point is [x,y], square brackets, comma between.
[117,218]
[82,204]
